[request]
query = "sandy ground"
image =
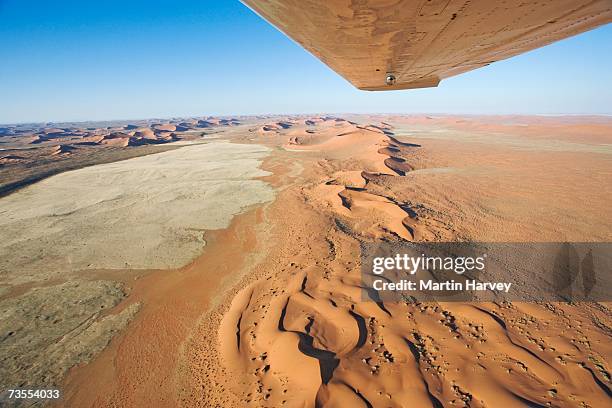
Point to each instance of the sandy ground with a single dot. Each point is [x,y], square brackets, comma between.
[72,245]
[49,329]
[299,334]
[271,313]
[144,213]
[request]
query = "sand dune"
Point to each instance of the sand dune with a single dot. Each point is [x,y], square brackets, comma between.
[304,306]
[144,133]
[63,149]
[275,126]
[206,123]
[274,314]
[301,130]
[10,158]
[211,122]
[153,130]
[167,126]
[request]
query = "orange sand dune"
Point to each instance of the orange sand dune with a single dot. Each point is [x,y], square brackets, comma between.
[10,158]
[146,133]
[167,127]
[292,328]
[62,149]
[306,310]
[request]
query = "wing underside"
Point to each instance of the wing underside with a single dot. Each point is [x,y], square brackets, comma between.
[421,42]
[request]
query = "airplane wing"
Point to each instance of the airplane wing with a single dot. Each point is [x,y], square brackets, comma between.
[402,44]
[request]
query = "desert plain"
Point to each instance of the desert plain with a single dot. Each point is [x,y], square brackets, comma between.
[215,262]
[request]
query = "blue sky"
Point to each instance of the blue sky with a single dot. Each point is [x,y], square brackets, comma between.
[130,59]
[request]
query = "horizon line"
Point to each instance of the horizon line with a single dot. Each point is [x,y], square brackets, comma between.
[39,122]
